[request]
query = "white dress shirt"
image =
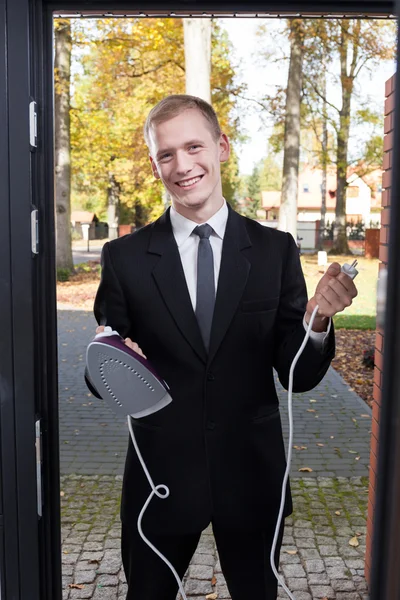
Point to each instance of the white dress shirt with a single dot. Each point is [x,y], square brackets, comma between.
[188,243]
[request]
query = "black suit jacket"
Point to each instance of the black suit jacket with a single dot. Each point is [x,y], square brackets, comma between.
[218,446]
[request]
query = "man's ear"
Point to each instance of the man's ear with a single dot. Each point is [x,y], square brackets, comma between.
[224,148]
[154,168]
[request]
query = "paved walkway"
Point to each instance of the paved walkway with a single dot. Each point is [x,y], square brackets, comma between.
[332,427]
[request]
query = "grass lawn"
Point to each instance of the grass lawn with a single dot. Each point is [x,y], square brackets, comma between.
[362,313]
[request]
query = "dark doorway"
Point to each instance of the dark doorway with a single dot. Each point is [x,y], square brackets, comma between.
[30,491]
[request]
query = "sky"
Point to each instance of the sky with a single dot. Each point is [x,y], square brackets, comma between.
[261,79]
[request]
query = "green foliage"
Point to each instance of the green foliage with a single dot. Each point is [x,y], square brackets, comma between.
[252,200]
[63,274]
[123,68]
[270,174]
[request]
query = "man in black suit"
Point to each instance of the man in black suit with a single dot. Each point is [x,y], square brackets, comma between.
[215,309]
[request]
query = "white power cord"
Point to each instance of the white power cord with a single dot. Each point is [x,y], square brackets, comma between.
[351,271]
[155,491]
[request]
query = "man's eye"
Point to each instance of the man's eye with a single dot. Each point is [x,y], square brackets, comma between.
[164,156]
[194,147]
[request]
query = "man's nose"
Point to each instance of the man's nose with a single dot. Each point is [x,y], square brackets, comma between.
[183,163]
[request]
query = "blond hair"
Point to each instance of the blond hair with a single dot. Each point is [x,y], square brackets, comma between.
[174,105]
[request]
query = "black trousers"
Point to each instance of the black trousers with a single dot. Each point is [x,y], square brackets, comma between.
[244,561]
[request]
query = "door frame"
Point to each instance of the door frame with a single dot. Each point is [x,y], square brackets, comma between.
[28,320]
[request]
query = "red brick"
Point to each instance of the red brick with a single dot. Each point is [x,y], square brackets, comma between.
[385,201]
[376,411]
[390,86]
[385,216]
[388,142]
[383,253]
[384,235]
[373,461]
[379,341]
[388,123]
[387,179]
[386,159]
[371,509]
[375,428]
[378,377]
[378,359]
[374,445]
[389,104]
[377,394]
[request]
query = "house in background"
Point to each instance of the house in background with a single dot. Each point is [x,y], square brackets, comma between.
[363,202]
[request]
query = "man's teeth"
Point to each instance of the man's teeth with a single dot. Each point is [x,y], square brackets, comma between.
[189,182]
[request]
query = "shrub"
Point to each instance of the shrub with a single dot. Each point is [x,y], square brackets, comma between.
[63,274]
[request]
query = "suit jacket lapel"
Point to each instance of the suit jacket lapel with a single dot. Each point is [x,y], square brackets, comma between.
[170,279]
[232,279]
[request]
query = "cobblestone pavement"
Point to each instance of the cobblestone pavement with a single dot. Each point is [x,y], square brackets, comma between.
[332,424]
[317,560]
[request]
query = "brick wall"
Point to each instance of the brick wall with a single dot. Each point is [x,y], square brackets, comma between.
[383,256]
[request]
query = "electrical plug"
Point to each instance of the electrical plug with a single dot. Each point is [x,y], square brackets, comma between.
[350,270]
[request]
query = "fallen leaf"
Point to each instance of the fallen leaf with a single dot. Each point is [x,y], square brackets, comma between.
[332,437]
[62,494]
[212,596]
[358,533]
[365,416]
[338,513]
[300,447]
[76,586]
[310,409]
[93,561]
[291,552]
[312,400]
[305,470]
[352,451]
[358,457]
[213,580]
[320,445]
[354,542]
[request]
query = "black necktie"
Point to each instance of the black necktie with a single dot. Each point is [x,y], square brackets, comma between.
[205,299]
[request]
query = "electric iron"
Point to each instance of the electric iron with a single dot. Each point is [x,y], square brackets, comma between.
[123,378]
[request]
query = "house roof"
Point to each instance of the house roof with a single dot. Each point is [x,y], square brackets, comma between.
[82,216]
[309,191]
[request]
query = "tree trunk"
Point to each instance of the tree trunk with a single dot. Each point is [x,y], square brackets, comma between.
[288,207]
[62,76]
[324,165]
[197,37]
[340,244]
[113,193]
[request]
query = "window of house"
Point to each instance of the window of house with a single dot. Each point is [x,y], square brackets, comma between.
[352,192]
[306,188]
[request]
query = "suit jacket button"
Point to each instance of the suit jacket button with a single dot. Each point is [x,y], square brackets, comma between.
[210,425]
[210,376]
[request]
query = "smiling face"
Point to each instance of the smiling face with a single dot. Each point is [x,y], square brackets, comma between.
[185,155]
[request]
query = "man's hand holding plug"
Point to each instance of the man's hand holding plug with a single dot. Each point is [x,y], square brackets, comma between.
[334,292]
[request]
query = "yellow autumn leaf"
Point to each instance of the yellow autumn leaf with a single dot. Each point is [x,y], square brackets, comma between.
[354,542]
[305,470]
